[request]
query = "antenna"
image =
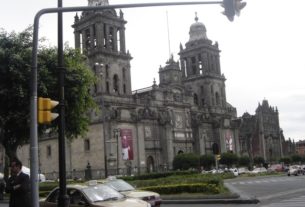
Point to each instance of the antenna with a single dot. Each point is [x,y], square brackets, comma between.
[168,36]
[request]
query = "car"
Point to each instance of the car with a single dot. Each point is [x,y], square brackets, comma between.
[26,170]
[276,168]
[242,170]
[258,170]
[295,170]
[92,194]
[128,190]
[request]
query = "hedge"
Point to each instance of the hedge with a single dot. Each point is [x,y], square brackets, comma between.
[185,188]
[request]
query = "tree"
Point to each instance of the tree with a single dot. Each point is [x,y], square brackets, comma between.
[285,160]
[244,161]
[296,159]
[15,69]
[258,160]
[228,159]
[207,161]
[185,161]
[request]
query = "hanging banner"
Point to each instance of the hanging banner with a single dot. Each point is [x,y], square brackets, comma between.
[229,140]
[127,146]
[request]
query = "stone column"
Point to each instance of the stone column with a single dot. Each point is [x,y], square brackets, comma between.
[77,39]
[92,36]
[122,40]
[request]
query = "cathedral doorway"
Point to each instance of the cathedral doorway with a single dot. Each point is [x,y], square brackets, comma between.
[150,164]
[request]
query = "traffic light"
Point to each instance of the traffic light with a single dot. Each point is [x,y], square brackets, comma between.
[232,8]
[218,157]
[45,105]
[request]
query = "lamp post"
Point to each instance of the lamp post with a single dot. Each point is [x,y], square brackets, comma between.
[33,91]
[116,134]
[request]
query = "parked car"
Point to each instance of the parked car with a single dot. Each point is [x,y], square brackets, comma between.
[26,170]
[93,195]
[295,170]
[128,190]
[242,170]
[258,170]
[275,168]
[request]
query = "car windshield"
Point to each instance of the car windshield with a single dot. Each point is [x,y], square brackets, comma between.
[120,185]
[102,193]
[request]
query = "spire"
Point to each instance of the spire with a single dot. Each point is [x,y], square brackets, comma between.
[196,17]
[98,2]
[197,30]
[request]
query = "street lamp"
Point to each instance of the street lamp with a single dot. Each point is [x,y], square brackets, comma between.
[116,134]
[33,99]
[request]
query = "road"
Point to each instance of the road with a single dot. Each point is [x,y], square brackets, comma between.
[272,191]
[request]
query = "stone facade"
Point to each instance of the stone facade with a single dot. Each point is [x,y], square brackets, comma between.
[261,136]
[186,113]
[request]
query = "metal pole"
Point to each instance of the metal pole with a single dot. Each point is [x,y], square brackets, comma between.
[117,151]
[63,199]
[33,99]
[104,140]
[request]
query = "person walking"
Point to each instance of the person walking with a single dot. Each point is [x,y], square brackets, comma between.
[18,186]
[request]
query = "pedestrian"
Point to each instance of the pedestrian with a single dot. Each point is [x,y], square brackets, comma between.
[18,186]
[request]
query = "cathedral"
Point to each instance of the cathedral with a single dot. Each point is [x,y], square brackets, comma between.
[143,130]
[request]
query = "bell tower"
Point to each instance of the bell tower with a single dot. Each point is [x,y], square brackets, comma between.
[100,35]
[200,67]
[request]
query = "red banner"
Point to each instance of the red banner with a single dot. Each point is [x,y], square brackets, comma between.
[127,146]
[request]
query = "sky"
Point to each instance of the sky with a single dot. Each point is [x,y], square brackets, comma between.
[262,50]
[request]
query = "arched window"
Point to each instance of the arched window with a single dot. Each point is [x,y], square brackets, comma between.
[150,164]
[217,98]
[116,83]
[124,73]
[107,71]
[195,99]
[107,87]
[124,89]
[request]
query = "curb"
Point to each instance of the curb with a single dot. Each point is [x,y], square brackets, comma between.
[213,201]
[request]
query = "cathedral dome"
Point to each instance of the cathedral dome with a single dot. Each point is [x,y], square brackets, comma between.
[197,31]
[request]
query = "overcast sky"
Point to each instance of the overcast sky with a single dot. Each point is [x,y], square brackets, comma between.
[262,51]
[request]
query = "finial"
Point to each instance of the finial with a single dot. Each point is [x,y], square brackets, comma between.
[196,17]
[154,83]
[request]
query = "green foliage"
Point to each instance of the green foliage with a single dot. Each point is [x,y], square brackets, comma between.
[244,161]
[207,161]
[258,160]
[148,176]
[179,179]
[285,160]
[296,158]
[228,159]
[185,161]
[185,188]
[15,74]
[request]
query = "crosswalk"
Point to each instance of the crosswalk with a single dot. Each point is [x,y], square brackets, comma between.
[293,202]
[266,180]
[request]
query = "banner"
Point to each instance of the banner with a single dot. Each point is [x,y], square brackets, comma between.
[127,146]
[229,140]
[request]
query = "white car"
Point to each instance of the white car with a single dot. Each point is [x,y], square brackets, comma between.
[93,195]
[26,170]
[126,189]
[258,170]
[243,170]
[295,170]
